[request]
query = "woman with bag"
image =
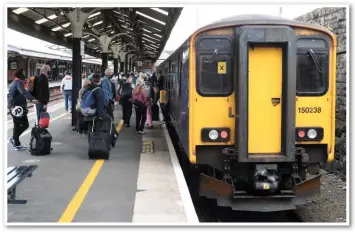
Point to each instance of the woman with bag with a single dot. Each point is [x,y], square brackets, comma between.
[18,108]
[140,103]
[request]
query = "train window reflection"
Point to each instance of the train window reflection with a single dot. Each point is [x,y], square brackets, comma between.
[212,81]
[309,79]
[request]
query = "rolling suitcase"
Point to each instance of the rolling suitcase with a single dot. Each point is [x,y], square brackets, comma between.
[41,140]
[155,112]
[100,141]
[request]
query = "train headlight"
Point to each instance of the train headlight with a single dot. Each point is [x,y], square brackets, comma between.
[213,134]
[309,134]
[312,133]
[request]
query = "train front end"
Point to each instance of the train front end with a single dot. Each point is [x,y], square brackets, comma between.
[262,114]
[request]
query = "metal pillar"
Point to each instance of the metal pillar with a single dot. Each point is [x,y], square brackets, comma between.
[126,64]
[122,59]
[115,51]
[130,64]
[104,56]
[115,66]
[77,19]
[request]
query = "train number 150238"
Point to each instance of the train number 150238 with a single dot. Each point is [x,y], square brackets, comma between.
[309,110]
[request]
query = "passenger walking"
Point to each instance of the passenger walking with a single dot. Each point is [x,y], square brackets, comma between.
[150,97]
[107,89]
[41,90]
[18,108]
[97,109]
[81,125]
[140,103]
[126,100]
[66,87]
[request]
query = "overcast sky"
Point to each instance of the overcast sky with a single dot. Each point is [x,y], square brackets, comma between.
[191,18]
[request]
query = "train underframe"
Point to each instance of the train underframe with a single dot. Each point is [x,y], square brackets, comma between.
[261,187]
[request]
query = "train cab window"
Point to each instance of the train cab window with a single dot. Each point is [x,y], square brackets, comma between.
[214,66]
[312,67]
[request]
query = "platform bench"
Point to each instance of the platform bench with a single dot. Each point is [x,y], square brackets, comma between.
[15,175]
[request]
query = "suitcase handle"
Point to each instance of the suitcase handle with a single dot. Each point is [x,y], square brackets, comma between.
[93,124]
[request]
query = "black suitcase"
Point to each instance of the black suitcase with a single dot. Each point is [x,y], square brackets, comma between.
[100,141]
[41,141]
[109,127]
[155,112]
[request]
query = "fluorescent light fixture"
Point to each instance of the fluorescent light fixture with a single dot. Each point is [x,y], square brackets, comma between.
[65,25]
[85,36]
[93,15]
[53,16]
[91,39]
[41,21]
[157,35]
[144,15]
[57,28]
[20,10]
[151,37]
[160,11]
[146,30]
[148,40]
[98,23]
[66,35]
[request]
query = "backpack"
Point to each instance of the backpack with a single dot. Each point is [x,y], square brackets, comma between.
[138,100]
[88,101]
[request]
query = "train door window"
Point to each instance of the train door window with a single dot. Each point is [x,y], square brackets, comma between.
[214,66]
[312,67]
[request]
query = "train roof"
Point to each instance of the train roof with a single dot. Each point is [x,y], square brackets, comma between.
[251,19]
[261,19]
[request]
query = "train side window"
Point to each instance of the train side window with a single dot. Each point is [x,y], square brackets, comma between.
[312,67]
[214,66]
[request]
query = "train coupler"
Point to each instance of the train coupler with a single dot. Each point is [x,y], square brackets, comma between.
[266,180]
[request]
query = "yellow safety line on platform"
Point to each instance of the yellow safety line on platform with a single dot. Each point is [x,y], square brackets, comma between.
[80,195]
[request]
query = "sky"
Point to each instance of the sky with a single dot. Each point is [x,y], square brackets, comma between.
[192,17]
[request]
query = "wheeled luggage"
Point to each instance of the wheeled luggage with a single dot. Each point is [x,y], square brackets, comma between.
[41,140]
[100,141]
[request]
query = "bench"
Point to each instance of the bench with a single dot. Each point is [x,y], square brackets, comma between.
[16,175]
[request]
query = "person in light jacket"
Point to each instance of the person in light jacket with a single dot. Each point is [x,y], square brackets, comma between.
[66,87]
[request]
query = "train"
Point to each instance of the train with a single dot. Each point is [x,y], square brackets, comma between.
[252,99]
[32,61]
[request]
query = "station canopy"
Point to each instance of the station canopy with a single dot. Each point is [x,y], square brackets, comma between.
[147,29]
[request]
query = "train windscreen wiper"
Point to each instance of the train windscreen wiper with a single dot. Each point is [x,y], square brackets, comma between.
[314,58]
[215,52]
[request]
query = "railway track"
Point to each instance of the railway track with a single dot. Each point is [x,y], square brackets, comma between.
[207,209]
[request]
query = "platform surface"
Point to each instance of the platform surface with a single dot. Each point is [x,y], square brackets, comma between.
[130,187]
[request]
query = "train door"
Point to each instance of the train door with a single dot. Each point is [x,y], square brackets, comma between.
[264,99]
[266,94]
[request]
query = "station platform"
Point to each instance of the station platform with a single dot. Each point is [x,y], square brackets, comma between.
[141,183]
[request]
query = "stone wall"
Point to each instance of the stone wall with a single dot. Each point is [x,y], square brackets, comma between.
[334,18]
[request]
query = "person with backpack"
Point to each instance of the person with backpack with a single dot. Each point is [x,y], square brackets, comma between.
[66,87]
[41,90]
[126,97]
[139,101]
[92,103]
[18,108]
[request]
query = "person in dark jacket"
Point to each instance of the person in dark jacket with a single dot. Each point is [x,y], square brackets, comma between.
[17,103]
[126,100]
[41,90]
[153,80]
[99,101]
